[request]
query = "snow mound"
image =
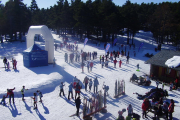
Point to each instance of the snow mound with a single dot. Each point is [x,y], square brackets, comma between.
[173,62]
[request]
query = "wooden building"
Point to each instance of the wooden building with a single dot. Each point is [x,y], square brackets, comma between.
[162,71]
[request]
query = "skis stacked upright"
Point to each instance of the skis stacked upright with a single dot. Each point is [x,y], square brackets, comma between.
[95,105]
[84,106]
[120,89]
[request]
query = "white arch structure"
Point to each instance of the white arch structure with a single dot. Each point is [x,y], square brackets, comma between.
[49,41]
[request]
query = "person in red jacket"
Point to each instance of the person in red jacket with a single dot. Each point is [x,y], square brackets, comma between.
[145,107]
[91,65]
[115,61]
[171,109]
[11,94]
[120,62]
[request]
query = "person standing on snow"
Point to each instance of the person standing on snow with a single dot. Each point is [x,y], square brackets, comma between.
[171,109]
[35,100]
[3,100]
[15,63]
[88,64]
[100,59]
[102,63]
[91,65]
[90,84]
[70,91]
[115,61]
[77,90]
[11,94]
[145,107]
[86,79]
[40,95]
[130,110]
[96,83]
[61,89]
[22,92]
[120,62]
[82,66]
[78,103]
[5,62]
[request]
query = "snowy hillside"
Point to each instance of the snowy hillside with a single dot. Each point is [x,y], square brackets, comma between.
[48,78]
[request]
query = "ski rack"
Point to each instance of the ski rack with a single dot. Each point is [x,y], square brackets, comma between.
[119,88]
[95,104]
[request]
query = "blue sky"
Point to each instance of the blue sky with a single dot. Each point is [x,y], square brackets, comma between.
[48,3]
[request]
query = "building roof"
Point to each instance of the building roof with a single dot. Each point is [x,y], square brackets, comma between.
[160,58]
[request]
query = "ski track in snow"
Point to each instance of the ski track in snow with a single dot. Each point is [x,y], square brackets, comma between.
[48,78]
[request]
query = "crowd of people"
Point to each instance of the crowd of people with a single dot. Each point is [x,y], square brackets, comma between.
[7,65]
[10,93]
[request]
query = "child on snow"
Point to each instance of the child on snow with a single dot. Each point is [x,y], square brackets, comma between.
[3,100]
[40,95]
[35,100]
[90,84]
[22,92]
[61,89]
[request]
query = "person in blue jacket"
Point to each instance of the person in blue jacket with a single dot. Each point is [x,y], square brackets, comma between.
[70,91]
[96,83]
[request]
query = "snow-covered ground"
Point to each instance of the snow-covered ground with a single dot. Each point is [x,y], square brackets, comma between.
[48,78]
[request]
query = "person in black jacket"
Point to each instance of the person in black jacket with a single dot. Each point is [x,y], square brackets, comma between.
[5,62]
[78,102]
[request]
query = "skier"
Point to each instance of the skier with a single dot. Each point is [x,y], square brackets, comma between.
[8,65]
[78,102]
[22,92]
[145,106]
[11,94]
[96,83]
[54,62]
[5,62]
[137,66]
[106,63]
[86,82]
[66,57]
[171,109]
[120,62]
[35,100]
[12,63]
[15,63]
[157,83]
[61,89]
[75,79]
[40,95]
[88,64]
[91,65]
[176,82]
[77,91]
[3,100]
[100,59]
[115,61]
[90,84]
[120,117]
[102,63]
[82,66]
[127,61]
[130,110]
[70,91]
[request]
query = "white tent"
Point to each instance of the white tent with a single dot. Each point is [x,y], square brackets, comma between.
[49,42]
